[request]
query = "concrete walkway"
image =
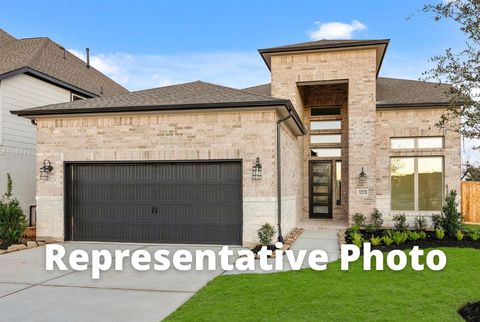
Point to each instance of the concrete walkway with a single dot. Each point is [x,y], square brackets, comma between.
[309,240]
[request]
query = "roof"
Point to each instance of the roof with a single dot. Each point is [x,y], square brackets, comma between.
[44,58]
[394,92]
[187,96]
[327,44]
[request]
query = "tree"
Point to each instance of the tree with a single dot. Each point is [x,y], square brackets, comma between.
[471,171]
[460,69]
[12,219]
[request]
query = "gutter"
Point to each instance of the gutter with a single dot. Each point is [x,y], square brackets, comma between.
[279,175]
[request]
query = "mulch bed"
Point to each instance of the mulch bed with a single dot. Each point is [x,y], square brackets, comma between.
[430,242]
[470,312]
[287,243]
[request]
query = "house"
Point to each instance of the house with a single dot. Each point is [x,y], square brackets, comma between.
[35,72]
[203,163]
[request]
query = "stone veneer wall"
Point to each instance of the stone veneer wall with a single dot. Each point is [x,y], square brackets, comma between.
[358,68]
[405,123]
[166,136]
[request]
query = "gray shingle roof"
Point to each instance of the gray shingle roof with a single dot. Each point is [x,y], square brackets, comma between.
[325,43]
[45,56]
[394,92]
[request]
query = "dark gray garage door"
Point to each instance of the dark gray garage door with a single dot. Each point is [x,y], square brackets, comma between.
[181,202]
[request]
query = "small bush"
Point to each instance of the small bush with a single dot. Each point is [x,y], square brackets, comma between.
[400,222]
[439,233]
[423,234]
[388,233]
[12,219]
[419,223]
[375,241]
[436,221]
[451,218]
[359,219]
[377,220]
[414,235]
[459,235]
[387,240]
[357,239]
[266,233]
[399,237]
[474,236]
[369,228]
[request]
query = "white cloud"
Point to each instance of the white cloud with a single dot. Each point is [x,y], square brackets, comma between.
[235,69]
[336,30]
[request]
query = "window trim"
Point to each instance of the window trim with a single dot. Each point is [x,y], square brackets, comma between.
[415,181]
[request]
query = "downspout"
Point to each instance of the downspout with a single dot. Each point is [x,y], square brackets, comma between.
[279,176]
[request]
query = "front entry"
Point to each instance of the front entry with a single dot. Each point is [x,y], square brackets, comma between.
[321,189]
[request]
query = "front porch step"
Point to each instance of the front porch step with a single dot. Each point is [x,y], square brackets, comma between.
[322,224]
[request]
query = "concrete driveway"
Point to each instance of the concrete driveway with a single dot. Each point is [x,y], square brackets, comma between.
[30,293]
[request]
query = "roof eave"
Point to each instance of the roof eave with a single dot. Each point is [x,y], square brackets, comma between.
[414,105]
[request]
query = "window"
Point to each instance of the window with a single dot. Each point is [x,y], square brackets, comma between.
[327,138]
[326,153]
[434,142]
[325,125]
[417,183]
[77,97]
[320,111]
[338,183]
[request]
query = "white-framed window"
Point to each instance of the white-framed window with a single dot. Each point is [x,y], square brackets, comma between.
[427,142]
[75,97]
[416,183]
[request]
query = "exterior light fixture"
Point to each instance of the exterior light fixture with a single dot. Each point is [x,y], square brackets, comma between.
[362,176]
[45,170]
[257,170]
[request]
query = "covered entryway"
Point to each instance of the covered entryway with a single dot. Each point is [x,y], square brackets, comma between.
[162,202]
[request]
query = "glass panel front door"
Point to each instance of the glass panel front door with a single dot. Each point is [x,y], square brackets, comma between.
[320,189]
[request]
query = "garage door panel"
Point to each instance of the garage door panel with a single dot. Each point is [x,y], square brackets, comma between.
[161,202]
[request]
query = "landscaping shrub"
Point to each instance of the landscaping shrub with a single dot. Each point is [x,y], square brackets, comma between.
[369,228]
[375,241]
[423,234]
[376,218]
[400,222]
[439,233]
[359,219]
[459,235]
[399,237]
[451,219]
[419,223]
[12,219]
[387,240]
[414,235]
[357,239]
[474,236]
[436,221]
[265,234]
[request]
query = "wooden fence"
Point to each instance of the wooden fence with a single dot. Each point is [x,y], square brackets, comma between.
[471,201]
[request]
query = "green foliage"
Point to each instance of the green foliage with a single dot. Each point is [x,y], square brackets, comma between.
[12,219]
[459,235]
[400,222]
[474,236]
[419,223]
[369,228]
[414,235]
[359,219]
[387,240]
[376,218]
[439,233]
[399,237]
[471,171]
[266,233]
[357,239]
[423,234]
[436,221]
[450,220]
[375,241]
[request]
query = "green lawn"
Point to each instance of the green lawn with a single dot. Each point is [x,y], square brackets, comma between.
[335,295]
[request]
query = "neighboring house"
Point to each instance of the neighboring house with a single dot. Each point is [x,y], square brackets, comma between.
[35,72]
[179,163]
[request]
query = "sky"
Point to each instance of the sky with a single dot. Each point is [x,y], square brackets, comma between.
[145,44]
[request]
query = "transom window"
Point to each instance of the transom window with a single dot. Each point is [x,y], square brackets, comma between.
[325,125]
[417,183]
[433,142]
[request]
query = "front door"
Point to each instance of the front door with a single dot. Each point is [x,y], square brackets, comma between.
[321,189]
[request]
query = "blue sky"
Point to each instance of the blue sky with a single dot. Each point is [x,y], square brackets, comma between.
[144,44]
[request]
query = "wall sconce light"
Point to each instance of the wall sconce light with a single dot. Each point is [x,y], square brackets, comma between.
[45,170]
[362,176]
[257,170]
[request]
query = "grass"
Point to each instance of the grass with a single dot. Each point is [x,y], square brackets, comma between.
[472,227]
[335,295]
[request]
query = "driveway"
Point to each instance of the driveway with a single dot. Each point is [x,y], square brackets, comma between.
[29,292]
